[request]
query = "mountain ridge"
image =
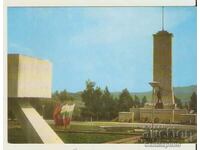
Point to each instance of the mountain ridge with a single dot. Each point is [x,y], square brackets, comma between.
[182,92]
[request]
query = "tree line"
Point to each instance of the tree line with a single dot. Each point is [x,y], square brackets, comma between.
[100,104]
[191,105]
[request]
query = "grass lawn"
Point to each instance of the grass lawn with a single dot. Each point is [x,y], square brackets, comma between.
[15,135]
[75,134]
[89,138]
[84,132]
[96,135]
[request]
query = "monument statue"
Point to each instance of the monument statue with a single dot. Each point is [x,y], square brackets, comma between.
[162,107]
[159,104]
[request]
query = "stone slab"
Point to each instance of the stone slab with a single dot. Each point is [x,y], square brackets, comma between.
[28,77]
[34,126]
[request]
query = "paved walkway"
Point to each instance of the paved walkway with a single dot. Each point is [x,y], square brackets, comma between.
[135,125]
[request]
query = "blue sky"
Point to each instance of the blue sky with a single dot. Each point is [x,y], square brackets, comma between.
[109,45]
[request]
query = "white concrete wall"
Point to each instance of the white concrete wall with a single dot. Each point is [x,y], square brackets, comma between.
[126,116]
[29,77]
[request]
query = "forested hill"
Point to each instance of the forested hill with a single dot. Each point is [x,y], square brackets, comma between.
[184,93]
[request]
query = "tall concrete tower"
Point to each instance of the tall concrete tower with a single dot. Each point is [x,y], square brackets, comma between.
[162,66]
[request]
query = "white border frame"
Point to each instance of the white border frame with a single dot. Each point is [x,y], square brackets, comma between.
[52,3]
[35,3]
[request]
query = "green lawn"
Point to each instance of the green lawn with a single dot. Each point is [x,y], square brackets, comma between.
[75,134]
[78,133]
[15,135]
[84,132]
[89,138]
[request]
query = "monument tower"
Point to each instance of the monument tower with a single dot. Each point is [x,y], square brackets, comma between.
[162,66]
[162,108]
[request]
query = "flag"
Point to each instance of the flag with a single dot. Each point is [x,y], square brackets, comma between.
[66,113]
[57,116]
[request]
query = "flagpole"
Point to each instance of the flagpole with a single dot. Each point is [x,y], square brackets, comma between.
[163,18]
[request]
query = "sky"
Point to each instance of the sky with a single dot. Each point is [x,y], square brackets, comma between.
[112,46]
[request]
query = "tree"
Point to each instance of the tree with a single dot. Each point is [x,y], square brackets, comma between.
[144,100]
[62,96]
[186,105]
[87,98]
[92,97]
[136,101]
[125,101]
[55,95]
[97,102]
[109,110]
[178,102]
[193,102]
